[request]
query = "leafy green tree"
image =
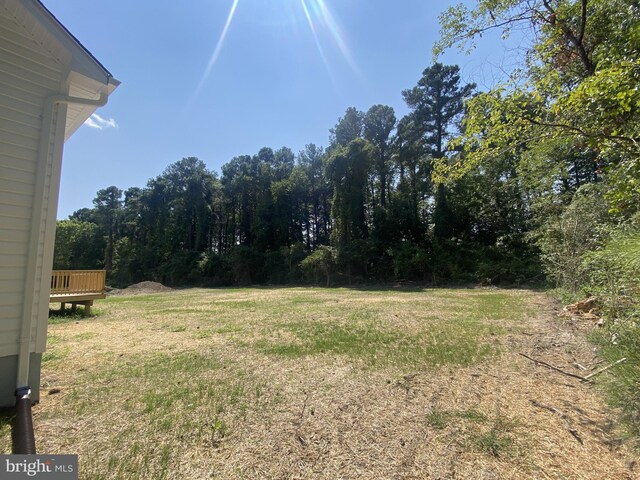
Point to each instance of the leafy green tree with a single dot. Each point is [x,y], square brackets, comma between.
[348,128]
[565,240]
[409,204]
[78,246]
[320,264]
[311,161]
[190,192]
[580,85]
[348,170]
[107,210]
[379,122]
[239,183]
[284,161]
[438,103]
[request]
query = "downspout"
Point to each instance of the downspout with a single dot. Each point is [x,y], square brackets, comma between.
[24,442]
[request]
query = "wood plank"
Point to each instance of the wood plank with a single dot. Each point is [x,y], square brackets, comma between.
[76,298]
[77,281]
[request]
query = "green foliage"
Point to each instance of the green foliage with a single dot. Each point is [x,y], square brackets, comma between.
[107,212]
[247,265]
[79,246]
[348,169]
[348,128]
[614,270]
[379,122]
[410,261]
[321,264]
[580,87]
[570,120]
[437,102]
[614,276]
[271,217]
[565,239]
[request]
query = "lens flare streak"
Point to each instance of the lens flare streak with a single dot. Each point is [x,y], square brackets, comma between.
[320,21]
[327,18]
[217,50]
[312,27]
[320,18]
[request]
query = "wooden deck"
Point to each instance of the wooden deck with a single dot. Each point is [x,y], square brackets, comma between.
[77,287]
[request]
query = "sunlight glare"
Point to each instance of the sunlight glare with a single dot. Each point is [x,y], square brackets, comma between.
[315,38]
[329,21]
[217,50]
[318,10]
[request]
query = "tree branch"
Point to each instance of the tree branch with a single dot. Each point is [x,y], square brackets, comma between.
[570,35]
[583,20]
[634,140]
[478,31]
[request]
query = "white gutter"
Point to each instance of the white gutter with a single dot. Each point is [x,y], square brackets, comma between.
[44,150]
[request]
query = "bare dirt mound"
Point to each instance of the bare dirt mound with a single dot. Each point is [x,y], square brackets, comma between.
[141,288]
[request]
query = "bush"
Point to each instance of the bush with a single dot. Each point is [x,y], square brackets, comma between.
[247,265]
[409,261]
[614,276]
[564,240]
[180,268]
[215,270]
[320,265]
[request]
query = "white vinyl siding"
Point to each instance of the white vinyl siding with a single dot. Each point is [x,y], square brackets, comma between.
[28,75]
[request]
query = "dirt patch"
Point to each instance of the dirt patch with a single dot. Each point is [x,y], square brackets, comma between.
[142,288]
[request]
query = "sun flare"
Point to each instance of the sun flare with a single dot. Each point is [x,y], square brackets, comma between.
[322,25]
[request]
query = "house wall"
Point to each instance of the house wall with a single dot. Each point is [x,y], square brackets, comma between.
[28,185]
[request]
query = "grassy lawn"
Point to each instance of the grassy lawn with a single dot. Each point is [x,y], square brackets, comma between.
[298,383]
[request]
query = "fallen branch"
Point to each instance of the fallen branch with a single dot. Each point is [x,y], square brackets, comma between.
[567,423]
[569,374]
[604,369]
[304,407]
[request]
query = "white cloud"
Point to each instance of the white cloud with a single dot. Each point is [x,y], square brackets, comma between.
[96,121]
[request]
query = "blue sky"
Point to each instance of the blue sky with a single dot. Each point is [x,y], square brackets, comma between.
[273,81]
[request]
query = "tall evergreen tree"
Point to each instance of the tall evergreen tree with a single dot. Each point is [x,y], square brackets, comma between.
[437,102]
[108,204]
[348,128]
[379,122]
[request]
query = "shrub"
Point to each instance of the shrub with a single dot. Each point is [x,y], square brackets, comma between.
[321,264]
[614,276]
[565,240]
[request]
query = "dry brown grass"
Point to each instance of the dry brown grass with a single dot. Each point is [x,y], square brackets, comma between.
[268,383]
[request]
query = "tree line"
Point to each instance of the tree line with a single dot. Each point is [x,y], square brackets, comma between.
[363,209]
[515,184]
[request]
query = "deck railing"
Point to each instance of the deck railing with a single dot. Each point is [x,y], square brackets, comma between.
[77,281]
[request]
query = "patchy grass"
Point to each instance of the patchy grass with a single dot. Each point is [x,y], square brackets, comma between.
[494,441]
[65,316]
[439,418]
[165,403]
[462,343]
[53,356]
[6,421]
[307,383]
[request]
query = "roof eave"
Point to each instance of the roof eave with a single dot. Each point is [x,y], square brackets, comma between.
[83,60]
